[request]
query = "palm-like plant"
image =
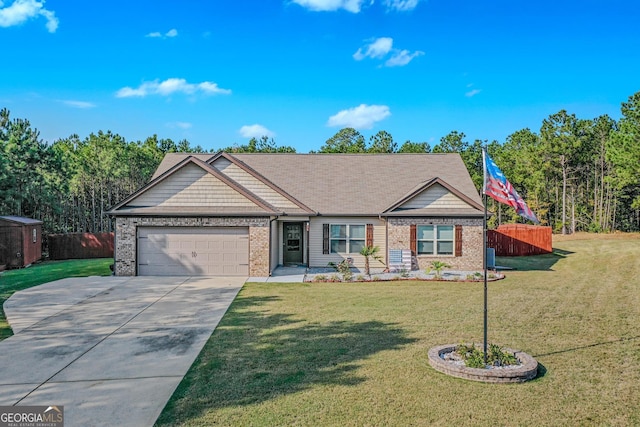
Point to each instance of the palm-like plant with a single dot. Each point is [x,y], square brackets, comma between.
[369,252]
[437,267]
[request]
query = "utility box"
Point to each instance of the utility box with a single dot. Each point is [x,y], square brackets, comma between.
[491,259]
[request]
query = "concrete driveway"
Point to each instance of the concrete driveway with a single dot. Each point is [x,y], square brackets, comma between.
[111,350]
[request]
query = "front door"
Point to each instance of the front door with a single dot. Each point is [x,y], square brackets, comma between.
[292,243]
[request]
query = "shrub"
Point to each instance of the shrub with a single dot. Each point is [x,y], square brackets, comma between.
[475,276]
[474,357]
[437,267]
[344,268]
[320,278]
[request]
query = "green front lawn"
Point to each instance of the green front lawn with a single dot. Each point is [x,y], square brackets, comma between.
[332,354]
[16,280]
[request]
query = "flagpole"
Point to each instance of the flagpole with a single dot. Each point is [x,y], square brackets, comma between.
[499,188]
[484,248]
[484,261]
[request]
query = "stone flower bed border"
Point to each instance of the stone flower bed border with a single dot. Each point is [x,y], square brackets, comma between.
[459,277]
[527,370]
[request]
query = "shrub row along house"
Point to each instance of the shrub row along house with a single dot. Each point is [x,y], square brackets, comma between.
[246,214]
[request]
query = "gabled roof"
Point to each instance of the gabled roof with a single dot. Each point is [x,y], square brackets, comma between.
[359,184]
[130,207]
[470,205]
[336,184]
[172,159]
[262,179]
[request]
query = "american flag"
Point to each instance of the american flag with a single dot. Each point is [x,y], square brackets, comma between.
[498,187]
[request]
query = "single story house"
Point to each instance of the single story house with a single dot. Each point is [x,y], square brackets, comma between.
[246,214]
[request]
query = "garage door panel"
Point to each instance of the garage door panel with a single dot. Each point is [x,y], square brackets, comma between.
[203,246]
[192,251]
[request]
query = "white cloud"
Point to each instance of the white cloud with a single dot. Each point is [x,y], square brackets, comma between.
[213,89]
[383,46]
[171,86]
[157,34]
[22,10]
[352,6]
[401,5]
[361,117]
[376,49]
[472,93]
[181,125]
[255,131]
[401,58]
[78,104]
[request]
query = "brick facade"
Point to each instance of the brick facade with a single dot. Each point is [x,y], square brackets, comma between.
[126,239]
[471,259]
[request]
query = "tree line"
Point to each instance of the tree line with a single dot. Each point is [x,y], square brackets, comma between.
[575,174]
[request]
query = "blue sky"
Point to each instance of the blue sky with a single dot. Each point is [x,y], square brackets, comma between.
[218,72]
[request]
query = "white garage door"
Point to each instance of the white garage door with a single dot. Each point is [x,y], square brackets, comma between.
[187,251]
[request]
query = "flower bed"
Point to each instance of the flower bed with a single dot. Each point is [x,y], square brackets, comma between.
[442,360]
[331,275]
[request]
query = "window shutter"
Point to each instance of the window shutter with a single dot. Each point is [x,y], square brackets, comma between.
[413,234]
[369,235]
[458,238]
[325,238]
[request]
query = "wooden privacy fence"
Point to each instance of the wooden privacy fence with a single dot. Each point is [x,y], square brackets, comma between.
[80,245]
[520,240]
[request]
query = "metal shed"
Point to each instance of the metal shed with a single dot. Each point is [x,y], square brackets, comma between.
[20,241]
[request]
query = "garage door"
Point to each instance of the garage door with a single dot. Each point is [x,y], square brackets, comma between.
[186,251]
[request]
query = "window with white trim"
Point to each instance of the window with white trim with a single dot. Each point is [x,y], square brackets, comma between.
[347,238]
[435,239]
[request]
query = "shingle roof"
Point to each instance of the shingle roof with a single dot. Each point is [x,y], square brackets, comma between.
[21,220]
[352,184]
[358,183]
[172,159]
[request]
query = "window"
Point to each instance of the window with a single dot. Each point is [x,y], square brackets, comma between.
[35,235]
[347,238]
[435,239]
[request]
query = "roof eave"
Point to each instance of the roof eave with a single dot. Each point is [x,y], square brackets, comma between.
[196,214]
[434,215]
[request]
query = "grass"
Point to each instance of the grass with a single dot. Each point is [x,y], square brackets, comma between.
[16,280]
[335,354]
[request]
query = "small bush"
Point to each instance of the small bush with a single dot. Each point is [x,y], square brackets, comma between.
[437,267]
[344,268]
[335,278]
[361,278]
[475,276]
[474,357]
[320,278]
